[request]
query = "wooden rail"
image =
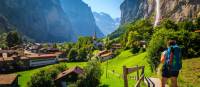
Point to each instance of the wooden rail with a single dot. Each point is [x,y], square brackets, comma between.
[127,71]
[139,81]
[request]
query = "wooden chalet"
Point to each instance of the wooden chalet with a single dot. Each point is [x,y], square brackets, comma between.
[7,53]
[105,55]
[68,76]
[9,59]
[197,31]
[143,43]
[42,59]
[9,80]
[116,46]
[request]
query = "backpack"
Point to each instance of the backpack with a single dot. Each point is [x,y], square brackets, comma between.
[173,60]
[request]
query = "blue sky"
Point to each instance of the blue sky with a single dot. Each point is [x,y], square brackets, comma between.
[112,7]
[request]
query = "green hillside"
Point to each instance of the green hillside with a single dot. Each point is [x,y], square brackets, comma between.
[114,68]
[189,75]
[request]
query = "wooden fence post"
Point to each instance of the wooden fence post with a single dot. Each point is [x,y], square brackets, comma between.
[125,76]
[137,73]
[142,73]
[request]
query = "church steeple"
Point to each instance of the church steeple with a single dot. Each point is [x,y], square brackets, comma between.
[94,37]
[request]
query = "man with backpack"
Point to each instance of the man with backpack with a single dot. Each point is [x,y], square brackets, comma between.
[172,63]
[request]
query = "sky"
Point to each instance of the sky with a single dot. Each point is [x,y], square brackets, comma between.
[111,7]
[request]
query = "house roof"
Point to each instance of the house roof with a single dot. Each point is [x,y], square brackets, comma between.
[103,52]
[116,45]
[107,54]
[198,31]
[7,51]
[7,79]
[76,70]
[35,56]
[6,59]
[32,56]
[12,58]
[24,58]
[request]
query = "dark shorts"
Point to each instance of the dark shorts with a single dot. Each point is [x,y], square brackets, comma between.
[168,73]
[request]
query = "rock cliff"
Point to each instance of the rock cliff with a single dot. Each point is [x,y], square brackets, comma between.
[175,9]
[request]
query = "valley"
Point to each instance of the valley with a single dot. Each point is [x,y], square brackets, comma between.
[99,43]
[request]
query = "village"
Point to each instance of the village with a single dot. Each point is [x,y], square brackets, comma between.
[34,55]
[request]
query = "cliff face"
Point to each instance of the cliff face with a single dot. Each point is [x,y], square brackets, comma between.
[175,9]
[133,9]
[180,9]
[41,20]
[81,17]
[106,23]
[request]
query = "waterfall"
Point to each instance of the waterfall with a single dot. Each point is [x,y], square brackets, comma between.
[157,13]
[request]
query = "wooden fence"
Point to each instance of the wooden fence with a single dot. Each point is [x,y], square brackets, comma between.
[139,78]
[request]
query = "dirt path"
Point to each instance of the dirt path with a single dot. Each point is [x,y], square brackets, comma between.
[156,82]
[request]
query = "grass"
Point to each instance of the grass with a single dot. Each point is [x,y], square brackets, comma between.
[190,73]
[125,58]
[25,76]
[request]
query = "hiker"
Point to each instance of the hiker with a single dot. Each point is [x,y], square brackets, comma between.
[172,63]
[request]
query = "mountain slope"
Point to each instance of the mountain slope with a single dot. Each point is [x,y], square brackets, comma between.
[81,17]
[41,20]
[106,23]
[5,26]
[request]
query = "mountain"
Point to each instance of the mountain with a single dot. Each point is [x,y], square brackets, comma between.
[49,20]
[41,20]
[81,17]
[106,23]
[175,9]
[5,26]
